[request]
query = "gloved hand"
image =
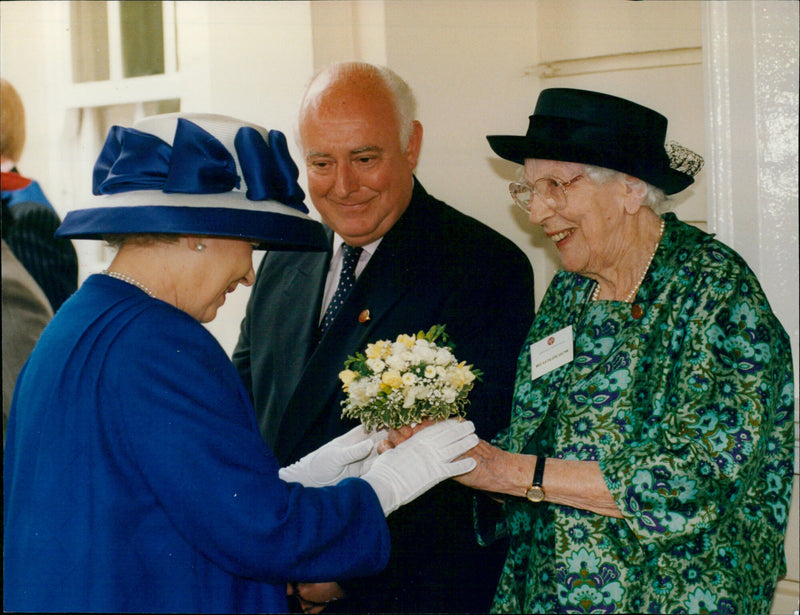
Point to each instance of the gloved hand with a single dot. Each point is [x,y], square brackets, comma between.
[411,468]
[347,456]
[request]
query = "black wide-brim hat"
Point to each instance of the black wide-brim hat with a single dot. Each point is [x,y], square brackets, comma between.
[593,128]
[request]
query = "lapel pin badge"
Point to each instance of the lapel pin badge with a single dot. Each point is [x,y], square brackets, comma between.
[363,316]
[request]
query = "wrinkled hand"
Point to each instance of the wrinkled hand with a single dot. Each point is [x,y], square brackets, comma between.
[491,471]
[314,597]
[412,467]
[349,455]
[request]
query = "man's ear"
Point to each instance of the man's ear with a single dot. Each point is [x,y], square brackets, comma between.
[414,145]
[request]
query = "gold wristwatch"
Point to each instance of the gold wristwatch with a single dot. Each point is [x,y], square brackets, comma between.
[535,493]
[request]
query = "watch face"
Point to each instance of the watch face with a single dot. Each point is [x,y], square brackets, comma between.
[535,493]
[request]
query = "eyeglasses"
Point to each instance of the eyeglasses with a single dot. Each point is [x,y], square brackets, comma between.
[552,192]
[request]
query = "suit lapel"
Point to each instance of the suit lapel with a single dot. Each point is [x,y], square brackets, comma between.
[386,279]
[288,327]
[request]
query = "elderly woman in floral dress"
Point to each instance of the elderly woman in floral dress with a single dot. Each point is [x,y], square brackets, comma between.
[648,463]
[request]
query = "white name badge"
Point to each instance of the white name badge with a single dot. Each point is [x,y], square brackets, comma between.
[551,352]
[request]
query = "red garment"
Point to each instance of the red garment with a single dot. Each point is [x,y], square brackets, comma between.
[13,181]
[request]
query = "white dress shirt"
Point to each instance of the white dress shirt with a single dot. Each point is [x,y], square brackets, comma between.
[335,269]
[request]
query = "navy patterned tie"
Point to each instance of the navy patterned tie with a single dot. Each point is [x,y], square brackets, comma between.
[346,281]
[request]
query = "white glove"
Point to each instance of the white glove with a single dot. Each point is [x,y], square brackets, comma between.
[347,456]
[411,468]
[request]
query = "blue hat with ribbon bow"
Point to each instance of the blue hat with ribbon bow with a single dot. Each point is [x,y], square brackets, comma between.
[197,174]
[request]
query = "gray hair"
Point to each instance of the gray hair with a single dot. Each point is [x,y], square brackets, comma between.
[405,104]
[117,240]
[654,198]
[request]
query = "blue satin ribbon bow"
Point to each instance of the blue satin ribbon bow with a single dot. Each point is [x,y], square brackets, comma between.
[197,163]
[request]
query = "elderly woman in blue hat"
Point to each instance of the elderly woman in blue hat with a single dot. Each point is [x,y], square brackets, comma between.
[648,464]
[135,478]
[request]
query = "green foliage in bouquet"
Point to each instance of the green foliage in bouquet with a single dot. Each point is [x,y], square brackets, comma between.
[414,378]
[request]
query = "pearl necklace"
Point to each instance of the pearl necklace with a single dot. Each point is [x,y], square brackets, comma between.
[129,280]
[629,298]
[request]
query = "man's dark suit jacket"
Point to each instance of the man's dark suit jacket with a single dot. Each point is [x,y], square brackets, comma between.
[435,266]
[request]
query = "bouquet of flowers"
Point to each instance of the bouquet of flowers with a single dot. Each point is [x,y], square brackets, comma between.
[404,382]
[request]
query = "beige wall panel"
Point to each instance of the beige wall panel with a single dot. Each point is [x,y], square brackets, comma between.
[587,28]
[24,62]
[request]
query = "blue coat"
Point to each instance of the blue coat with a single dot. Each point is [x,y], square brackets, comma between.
[135,478]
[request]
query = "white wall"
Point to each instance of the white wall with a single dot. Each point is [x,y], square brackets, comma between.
[752,127]
[477,69]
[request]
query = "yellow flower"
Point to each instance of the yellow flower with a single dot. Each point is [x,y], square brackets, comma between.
[347,376]
[468,375]
[460,375]
[454,378]
[407,340]
[376,350]
[392,378]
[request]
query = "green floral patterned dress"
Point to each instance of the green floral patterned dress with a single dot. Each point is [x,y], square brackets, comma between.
[687,403]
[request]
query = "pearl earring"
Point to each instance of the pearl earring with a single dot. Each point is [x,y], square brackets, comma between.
[200,247]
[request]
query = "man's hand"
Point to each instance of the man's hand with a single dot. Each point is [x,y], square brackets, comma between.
[314,597]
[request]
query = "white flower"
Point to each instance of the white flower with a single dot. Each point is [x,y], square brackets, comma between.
[422,353]
[376,365]
[443,357]
[373,388]
[423,392]
[396,383]
[395,361]
[399,349]
[468,375]
[357,391]
[409,379]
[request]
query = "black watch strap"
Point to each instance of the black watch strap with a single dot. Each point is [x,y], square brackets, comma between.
[535,492]
[538,471]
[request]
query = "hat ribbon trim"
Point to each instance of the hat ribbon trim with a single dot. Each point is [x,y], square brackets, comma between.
[268,168]
[197,163]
